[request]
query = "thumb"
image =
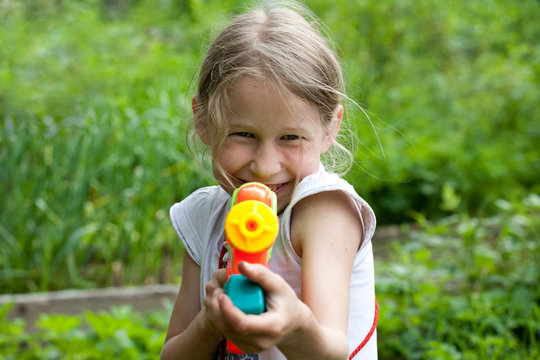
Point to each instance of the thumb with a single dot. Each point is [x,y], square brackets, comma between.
[260,274]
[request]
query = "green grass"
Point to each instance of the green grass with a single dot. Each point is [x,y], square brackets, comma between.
[90,193]
[456,288]
[119,333]
[95,103]
[94,106]
[463,288]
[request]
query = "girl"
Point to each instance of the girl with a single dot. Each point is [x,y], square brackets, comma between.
[268,107]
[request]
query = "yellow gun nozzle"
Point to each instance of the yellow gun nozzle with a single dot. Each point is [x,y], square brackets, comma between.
[251,226]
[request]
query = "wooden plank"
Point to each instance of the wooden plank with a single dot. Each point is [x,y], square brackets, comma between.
[73,302]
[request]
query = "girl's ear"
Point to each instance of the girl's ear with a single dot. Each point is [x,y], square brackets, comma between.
[333,128]
[200,127]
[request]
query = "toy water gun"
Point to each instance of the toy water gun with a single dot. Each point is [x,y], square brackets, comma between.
[251,227]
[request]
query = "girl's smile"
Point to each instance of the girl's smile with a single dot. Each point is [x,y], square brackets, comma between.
[273,137]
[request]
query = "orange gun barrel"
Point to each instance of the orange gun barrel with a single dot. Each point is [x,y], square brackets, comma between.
[251,227]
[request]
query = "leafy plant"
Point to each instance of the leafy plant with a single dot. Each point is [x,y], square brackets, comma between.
[95,104]
[119,333]
[456,288]
[464,288]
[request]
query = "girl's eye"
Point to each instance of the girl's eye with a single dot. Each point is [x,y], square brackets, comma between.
[290,137]
[243,134]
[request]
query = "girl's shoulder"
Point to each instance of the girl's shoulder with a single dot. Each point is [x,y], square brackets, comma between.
[196,218]
[323,182]
[202,199]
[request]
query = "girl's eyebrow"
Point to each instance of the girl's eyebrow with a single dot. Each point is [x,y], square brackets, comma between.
[239,125]
[245,124]
[295,130]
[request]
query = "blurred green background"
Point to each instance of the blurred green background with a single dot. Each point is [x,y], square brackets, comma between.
[94,106]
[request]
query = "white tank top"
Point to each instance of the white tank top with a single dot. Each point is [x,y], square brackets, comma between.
[198,221]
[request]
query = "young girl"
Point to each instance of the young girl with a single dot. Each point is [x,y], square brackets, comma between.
[268,107]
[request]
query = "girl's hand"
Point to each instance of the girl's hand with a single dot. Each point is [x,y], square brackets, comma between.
[214,294]
[255,333]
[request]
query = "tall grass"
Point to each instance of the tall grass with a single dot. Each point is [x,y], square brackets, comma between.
[444,292]
[94,104]
[92,194]
[92,149]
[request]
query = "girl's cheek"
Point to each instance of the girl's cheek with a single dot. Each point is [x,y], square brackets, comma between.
[233,155]
[306,163]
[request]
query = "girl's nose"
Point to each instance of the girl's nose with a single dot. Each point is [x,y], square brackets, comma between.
[266,162]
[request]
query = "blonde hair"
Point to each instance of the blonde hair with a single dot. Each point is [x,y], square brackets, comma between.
[280,43]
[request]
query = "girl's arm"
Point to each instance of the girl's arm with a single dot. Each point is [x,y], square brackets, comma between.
[326,232]
[189,335]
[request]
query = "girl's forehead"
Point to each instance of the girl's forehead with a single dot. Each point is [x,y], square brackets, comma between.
[250,86]
[261,95]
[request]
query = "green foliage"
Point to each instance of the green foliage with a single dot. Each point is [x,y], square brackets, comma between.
[457,288]
[464,288]
[95,103]
[92,147]
[89,192]
[117,334]
[452,90]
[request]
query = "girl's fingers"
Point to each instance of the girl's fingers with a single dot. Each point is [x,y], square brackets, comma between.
[263,276]
[254,332]
[222,313]
[233,318]
[220,277]
[216,283]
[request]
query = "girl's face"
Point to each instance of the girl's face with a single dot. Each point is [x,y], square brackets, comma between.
[273,137]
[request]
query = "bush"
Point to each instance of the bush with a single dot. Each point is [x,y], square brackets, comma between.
[451,88]
[116,334]
[463,288]
[95,102]
[457,288]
